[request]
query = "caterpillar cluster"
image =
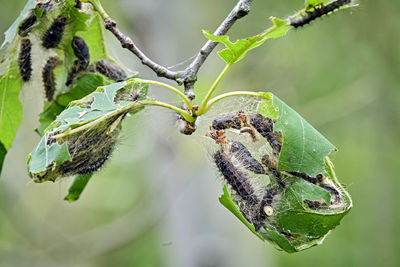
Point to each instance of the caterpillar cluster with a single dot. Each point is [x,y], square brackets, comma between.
[318,11]
[89,150]
[51,39]
[236,165]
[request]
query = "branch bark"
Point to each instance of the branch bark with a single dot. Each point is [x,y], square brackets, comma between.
[188,76]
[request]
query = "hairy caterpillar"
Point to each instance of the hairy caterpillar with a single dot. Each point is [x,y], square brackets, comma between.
[26,25]
[24,59]
[90,150]
[110,70]
[318,11]
[265,209]
[54,34]
[48,77]
[226,121]
[78,4]
[246,159]
[250,124]
[272,165]
[236,178]
[81,51]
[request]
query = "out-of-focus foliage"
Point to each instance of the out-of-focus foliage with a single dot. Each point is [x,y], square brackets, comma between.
[343,81]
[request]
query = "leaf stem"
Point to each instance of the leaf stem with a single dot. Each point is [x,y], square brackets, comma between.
[183,112]
[127,108]
[246,93]
[212,89]
[98,7]
[175,90]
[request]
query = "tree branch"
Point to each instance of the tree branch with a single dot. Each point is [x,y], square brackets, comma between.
[188,77]
[127,43]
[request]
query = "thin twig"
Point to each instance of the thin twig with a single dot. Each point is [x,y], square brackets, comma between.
[188,77]
[127,43]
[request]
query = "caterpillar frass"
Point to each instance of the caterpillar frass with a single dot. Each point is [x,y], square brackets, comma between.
[81,51]
[24,59]
[236,178]
[318,11]
[48,77]
[246,159]
[54,34]
[110,70]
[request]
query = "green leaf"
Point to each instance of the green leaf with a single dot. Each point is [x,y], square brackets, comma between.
[237,50]
[304,148]
[10,107]
[76,188]
[226,200]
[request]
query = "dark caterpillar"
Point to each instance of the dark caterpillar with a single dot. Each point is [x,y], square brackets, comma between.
[236,178]
[247,123]
[95,162]
[318,11]
[246,159]
[78,4]
[273,169]
[24,59]
[49,78]
[226,121]
[54,34]
[266,201]
[338,197]
[110,70]
[26,25]
[304,176]
[81,51]
[265,126]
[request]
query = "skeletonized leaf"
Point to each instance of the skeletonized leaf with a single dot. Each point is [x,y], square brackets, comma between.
[88,128]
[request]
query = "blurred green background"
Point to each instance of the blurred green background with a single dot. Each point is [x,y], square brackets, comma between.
[156,201]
